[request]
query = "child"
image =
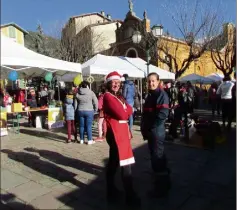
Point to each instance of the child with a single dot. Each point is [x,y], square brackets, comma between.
[101,122]
[69,116]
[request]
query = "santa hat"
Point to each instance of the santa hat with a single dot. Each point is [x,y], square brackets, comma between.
[112,76]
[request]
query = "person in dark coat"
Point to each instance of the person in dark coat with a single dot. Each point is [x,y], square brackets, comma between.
[155,113]
[32,103]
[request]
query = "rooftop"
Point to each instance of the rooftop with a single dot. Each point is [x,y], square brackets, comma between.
[15,25]
[89,14]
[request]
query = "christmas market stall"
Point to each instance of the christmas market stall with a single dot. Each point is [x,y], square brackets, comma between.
[28,85]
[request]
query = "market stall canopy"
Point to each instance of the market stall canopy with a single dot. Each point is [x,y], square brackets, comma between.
[216,77]
[102,65]
[141,64]
[195,78]
[29,63]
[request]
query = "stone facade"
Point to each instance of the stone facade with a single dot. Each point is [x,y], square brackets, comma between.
[97,29]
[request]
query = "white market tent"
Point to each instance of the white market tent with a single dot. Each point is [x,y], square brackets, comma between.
[215,77]
[195,78]
[141,64]
[101,65]
[134,67]
[29,63]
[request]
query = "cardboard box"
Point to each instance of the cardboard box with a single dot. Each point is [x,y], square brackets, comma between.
[17,107]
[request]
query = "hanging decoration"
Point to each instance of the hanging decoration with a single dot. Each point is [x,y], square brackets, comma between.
[77,80]
[13,76]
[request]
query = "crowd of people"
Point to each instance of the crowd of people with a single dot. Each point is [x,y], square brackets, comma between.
[117,105]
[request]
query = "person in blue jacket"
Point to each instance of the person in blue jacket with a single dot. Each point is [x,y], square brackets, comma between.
[129,95]
[155,113]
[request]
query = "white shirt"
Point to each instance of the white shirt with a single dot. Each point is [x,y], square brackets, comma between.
[225,90]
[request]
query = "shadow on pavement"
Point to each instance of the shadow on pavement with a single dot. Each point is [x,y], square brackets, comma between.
[43,167]
[12,203]
[67,161]
[200,178]
[44,134]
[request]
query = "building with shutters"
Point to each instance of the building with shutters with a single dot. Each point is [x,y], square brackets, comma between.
[14,31]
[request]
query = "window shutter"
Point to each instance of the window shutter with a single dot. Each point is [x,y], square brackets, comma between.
[12,32]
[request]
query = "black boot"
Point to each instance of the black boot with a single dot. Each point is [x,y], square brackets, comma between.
[162,185]
[132,199]
[113,193]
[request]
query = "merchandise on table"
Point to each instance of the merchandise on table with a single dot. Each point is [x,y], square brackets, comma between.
[17,107]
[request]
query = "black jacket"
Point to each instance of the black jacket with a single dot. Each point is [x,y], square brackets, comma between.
[155,111]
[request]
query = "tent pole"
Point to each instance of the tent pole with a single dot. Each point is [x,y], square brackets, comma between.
[141,95]
[58,92]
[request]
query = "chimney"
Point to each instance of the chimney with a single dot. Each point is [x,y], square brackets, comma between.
[102,13]
[109,16]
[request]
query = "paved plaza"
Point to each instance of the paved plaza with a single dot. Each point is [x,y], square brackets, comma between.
[40,171]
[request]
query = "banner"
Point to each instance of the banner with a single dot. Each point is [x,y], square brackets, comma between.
[55,118]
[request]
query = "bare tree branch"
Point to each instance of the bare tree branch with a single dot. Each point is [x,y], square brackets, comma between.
[223,50]
[197,27]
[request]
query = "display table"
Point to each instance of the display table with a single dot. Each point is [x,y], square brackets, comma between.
[15,116]
[55,117]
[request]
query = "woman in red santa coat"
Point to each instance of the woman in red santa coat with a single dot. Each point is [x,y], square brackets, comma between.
[118,136]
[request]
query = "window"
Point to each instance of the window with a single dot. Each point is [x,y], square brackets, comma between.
[131,53]
[128,33]
[12,32]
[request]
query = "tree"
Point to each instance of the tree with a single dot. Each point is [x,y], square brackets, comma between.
[196,27]
[43,44]
[223,50]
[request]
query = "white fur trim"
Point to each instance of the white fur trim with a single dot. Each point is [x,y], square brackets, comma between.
[127,161]
[123,121]
[113,77]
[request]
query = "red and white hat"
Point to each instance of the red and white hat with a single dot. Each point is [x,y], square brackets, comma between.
[112,76]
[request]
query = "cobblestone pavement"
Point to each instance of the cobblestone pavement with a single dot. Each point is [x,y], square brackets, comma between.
[40,171]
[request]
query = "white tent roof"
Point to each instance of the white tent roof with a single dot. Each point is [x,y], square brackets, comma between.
[134,67]
[195,78]
[27,62]
[141,64]
[103,65]
[216,77]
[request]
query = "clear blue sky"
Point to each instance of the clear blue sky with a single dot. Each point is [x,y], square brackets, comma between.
[52,13]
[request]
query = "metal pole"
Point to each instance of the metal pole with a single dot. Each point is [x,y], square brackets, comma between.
[141,99]
[147,58]
[58,92]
